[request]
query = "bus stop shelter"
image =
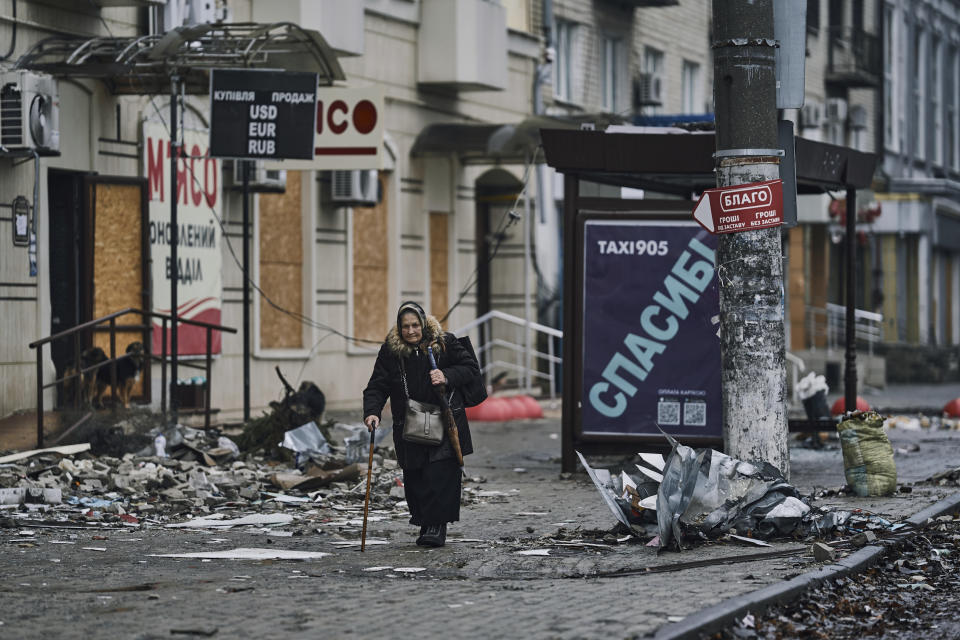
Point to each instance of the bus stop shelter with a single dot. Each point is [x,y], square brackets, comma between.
[672,167]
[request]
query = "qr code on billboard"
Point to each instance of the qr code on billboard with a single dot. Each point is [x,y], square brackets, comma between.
[668,412]
[695,414]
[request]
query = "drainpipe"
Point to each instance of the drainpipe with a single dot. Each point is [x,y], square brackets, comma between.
[548,241]
[546,66]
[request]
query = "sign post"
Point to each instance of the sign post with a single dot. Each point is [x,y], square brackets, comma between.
[741,208]
[262,114]
[259,115]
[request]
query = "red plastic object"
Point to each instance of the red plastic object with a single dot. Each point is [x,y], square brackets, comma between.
[533,408]
[516,409]
[490,410]
[500,409]
[840,406]
[952,408]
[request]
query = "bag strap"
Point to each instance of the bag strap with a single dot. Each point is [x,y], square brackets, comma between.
[403,376]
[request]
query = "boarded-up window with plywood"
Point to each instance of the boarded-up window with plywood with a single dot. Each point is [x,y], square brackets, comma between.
[281,265]
[119,261]
[370,293]
[439,263]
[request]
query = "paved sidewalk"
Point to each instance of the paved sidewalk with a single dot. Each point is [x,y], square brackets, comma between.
[897,397]
[478,586]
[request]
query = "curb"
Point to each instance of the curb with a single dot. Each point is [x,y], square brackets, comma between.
[720,615]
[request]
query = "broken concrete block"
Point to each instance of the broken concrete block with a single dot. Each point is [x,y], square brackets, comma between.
[214,501]
[172,494]
[865,538]
[823,552]
[92,486]
[30,495]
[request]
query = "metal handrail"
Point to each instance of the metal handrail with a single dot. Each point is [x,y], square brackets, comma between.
[500,315]
[526,355]
[830,323]
[497,342]
[94,325]
[798,367]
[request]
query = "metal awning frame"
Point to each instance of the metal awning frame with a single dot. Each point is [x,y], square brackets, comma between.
[144,65]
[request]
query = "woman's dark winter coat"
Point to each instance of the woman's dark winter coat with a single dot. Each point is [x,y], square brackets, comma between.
[457,366]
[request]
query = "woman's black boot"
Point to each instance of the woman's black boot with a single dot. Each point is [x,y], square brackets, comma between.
[423,530]
[435,536]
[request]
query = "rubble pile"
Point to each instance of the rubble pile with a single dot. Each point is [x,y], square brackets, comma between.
[908,594]
[299,407]
[201,477]
[701,495]
[917,423]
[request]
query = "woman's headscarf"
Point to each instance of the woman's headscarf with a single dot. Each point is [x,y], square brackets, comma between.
[408,307]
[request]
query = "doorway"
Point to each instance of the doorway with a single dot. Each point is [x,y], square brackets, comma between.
[99,264]
[69,262]
[500,244]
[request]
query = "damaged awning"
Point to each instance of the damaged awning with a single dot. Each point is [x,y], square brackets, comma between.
[682,163]
[146,64]
[515,142]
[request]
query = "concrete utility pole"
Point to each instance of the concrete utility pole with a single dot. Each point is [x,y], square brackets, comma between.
[749,265]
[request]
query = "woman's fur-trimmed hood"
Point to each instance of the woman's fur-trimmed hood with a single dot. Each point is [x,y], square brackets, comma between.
[432,336]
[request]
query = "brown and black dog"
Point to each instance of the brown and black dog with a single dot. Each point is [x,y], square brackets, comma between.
[128,370]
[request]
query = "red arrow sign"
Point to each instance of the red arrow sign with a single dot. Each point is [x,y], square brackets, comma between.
[744,207]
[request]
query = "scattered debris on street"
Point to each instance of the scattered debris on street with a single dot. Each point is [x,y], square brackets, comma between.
[909,594]
[704,495]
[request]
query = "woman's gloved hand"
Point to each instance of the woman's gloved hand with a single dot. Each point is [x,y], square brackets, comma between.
[372,422]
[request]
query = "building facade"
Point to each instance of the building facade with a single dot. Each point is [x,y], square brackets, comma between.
[460,215]
[882,77]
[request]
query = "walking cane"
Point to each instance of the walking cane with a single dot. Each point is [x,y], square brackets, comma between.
[447,414]
[366,501]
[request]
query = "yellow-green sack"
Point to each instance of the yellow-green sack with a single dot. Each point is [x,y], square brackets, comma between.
[867,455]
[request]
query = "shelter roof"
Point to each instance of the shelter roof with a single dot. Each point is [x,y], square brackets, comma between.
[681,162]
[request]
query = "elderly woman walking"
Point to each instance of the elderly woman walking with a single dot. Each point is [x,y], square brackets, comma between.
[431,473]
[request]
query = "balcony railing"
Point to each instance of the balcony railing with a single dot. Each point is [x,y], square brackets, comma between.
[854,57]
[827,328]
[645,3]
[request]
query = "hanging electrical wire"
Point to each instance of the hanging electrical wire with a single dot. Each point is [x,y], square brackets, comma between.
[508,219]
[13,34]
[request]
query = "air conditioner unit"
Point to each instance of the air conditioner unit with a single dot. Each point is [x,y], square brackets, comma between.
[29,112]
[261,180]
[355,188]
[179,13]
[811,115]
[858,117]
[836,110]
[648,90]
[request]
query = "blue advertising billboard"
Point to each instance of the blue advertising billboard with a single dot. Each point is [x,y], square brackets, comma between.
[651,354]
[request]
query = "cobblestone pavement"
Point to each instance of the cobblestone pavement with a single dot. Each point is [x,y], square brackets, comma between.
[72,584]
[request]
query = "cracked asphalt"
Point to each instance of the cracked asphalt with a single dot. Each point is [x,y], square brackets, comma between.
[110,583]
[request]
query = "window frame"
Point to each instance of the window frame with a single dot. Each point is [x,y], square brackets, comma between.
[564,42]
[936,97]
[918,95]
[690,86]
[891,80]
[611,55]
